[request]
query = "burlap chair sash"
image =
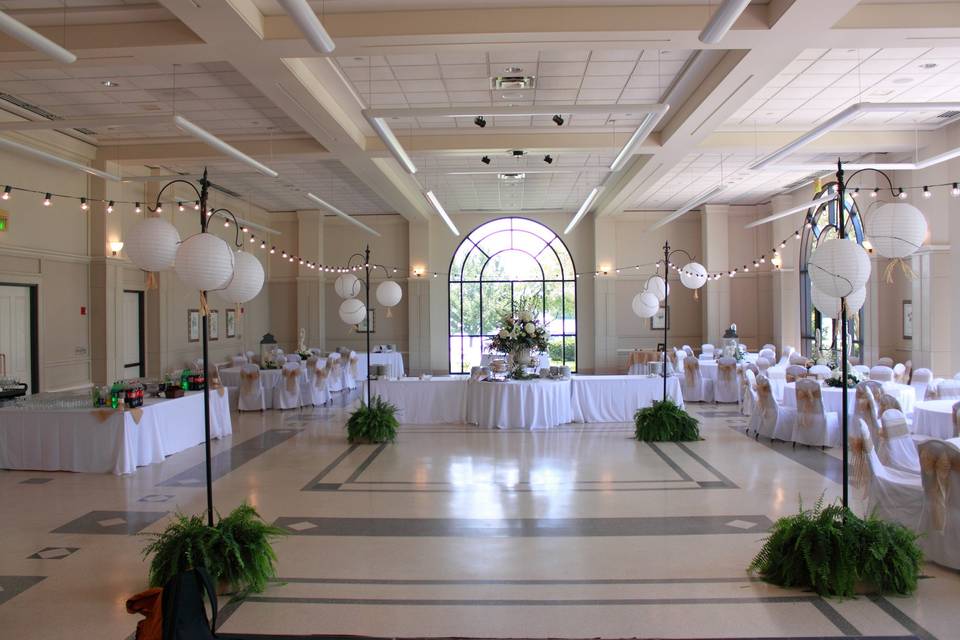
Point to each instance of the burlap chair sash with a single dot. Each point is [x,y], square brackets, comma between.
[860,449]
[290,378]
[937,462]
[726,372]
[765,396]
[887,401]
[896,430]
[809,403]
[248,381]
[691,371]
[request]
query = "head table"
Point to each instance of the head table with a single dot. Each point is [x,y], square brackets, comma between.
[519,404]
[617,398]
[108,440]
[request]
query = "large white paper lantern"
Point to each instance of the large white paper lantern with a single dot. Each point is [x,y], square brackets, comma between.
[204,262]
[645,304]
[658,287]
[347,285]
[352,311]
[247,279]
[693,275]
[389,293]
[152,244]
[830,306]
[896,230]
[839,267]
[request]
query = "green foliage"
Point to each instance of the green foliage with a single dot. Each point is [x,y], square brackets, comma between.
[374,423]
[832,551]
[237,550]
[664,421]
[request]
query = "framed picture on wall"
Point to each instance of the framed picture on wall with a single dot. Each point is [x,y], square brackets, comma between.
[214,319]
[193,325]
[907,319]
[369,324]
[231,323]
[660,320]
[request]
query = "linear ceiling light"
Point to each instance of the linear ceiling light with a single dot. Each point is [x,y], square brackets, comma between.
[791,210]
[332,209]
[386,135]
[443,214]
[185,125]
[646,126]
[19,31]
[846,115]
[721,20]
[308,22]
[634,109]
[882,166]
[16,147]
[690,204]
[583,210]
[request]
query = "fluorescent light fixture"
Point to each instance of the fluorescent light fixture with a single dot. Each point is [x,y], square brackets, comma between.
[792,210]
[19,31]
[633,109]
[690,204]
[308,22]
[16,147]
[218,144]
[583,210]
[722,20]
[332,209]
[386,134]
[443,214]
[646,126]
[882,166]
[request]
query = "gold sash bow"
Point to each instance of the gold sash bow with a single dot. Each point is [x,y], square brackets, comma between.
[725,372]
[936,465]
[290,379]
[136,414]
[691,369]
[248,379]
[809,403]
[861,448]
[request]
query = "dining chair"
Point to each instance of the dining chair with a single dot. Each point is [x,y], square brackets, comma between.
[892,495]
[769,419]
[795,372]
[785,354]
[334,372]
[940,516]
[884,362]
[900,449]
[815,426]
[748,401]
[251,397]
[881,373]
[726,388]
[920,381]
[820,371]
[866,409]
[696,388]
[313,390]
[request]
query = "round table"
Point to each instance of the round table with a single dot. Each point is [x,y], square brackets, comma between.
[934,418]
[519,404]
[833,397]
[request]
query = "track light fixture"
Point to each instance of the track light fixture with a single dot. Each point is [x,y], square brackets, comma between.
[558,119]
[485,159]
[480,122]
[518,153]
[548,159]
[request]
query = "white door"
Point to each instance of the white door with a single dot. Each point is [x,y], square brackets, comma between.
[130,334]
[15,331]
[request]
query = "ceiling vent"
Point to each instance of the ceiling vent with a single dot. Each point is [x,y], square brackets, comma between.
[946,115]
[513,82]
[40,111]
[511,177]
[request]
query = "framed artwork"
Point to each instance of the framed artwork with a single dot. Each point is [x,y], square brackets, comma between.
[369,324]
[231,323]
[193,325]
[214,330]
[907,319]
[660,320]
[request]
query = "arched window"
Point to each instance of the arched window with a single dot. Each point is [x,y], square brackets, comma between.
[501,266]
[820,337]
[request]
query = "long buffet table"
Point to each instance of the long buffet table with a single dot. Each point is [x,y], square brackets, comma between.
[108,440]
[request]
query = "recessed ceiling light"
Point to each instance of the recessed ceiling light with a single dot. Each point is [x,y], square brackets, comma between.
[109,83]
[902,80]
[512,69]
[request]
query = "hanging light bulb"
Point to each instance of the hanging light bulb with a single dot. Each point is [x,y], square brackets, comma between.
[83,204]
[46,200]
[226,223]
[159,208]
[110,207]
[136,208]
[245,229]
[180,207]
[732,273]
[873,194]
[746,269]
[855,193]
[783,244]
[955,191]
[291,258]
[196,206]
[6,192]
[796,235]
[273,250]
[756,264]
[902,194]
[763,259]
[926,192]
[283,255]
[252,238]
[263,244]
[301,260]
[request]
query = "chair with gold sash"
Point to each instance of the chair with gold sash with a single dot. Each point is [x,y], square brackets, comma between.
[351,370]
[881,373]
[251,396]
[866,409]
[892,495]
[940,518]
[899,449]
[313,390]
[920,381]
[726,388]
[815,427]
[748,391]
[769,419]
[286,395]
[334,372]
[695,387]
[795,372]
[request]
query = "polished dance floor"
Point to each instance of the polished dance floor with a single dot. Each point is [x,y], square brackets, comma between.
[577,532]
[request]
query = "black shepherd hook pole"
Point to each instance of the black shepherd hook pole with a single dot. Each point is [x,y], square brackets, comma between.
[367,267]
[666,304]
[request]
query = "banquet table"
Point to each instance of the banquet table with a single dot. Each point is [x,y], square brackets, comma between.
[108,440]
[616,398]
[833,398]
[519,404]
[934,418]
[270,378]
[392,360]
[431,401]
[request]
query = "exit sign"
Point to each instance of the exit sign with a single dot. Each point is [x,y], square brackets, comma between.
[4,222]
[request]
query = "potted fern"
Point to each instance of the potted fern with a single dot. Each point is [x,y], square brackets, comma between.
[373,423]
[237,551]
[665,421]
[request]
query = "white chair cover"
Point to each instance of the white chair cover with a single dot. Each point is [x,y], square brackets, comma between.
[862,369]
[821,371]
[317,352]
[940,518]
[696,388]
[920,382]
[881,373]
[334,373]
[785,356]
[769,354]
[294,357]
[901,451]
[948,389]
[892,495]
[884,362]
[771,347]
[350,370]
[238,361]
[314,387]
[770,419]
[798,360]
[748,400]
[250,397]
[687,350]
[815,427]
[795,372]
[762,365]
[726,388]
[286,395]
[866,410]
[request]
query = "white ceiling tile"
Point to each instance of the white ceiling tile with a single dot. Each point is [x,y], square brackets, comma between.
[405,59]
[564,55]
[604,82]
[559,82]
[562,68]
[598,94]
[615,55]
[610,68]
[464,71]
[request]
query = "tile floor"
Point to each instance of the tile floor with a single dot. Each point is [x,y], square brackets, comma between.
[453,531]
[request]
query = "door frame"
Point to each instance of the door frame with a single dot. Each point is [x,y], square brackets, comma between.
[34,332]
[141,339]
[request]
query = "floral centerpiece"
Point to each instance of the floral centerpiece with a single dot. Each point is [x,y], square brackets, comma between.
[520,336]
[302,350]
[836,379]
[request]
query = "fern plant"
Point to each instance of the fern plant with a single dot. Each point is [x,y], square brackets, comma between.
[373,423]
[832,551]
[665,421]
[186,543]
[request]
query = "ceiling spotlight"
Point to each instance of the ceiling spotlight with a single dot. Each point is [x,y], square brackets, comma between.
[480,122]
[46,200]
[548,159]
[558,119]
[485,159]
[926,192]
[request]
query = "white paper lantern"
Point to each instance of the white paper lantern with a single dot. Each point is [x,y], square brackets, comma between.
[896,230]
[693,275]
[389,293]
[247,279]
[347,285]
[658,287]
[152,244]
[839,267]
[352,311]
[645,304]
[855,301]
[204,262]
[830,306]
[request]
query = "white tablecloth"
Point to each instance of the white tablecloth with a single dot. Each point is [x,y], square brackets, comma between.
[269,378]
[519,404]
[393,361]
[833,397]
[616,398]
[487,358]
[433,401]
[77,440]
[934,418]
